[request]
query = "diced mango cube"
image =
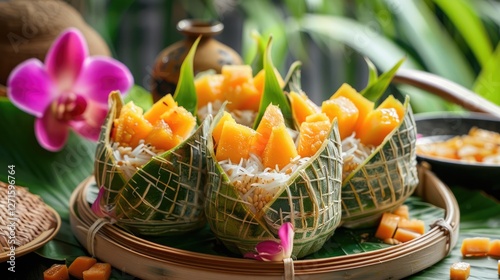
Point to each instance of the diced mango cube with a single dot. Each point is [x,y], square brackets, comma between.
[99,271]
[56,272]
[402,211]
[475,246]
[345,111]
[280,148]
[79,265]
[414,225]
[494,248]
[234,143]
[387,226]
[405,235]
[459,271]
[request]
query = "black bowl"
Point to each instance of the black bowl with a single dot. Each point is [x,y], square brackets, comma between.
[433,127]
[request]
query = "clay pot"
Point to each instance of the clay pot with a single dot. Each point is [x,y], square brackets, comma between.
[210,54]
[28,28]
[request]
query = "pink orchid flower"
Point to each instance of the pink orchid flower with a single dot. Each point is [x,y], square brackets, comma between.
[69,91]
[270,250]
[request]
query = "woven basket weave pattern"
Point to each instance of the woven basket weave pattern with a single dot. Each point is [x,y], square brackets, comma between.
[32,215]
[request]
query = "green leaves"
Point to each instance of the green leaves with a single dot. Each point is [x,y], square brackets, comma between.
[273,93]
[185,92]
[377,85]
[488,82]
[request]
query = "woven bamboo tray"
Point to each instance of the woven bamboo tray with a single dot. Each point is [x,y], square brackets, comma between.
[25,220]
[148,260]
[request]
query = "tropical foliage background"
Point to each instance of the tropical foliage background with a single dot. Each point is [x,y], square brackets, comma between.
[458,40]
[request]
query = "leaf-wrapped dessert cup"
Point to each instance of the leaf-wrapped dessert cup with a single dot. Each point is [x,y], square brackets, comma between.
[385,179]
[309,199]
[165,195]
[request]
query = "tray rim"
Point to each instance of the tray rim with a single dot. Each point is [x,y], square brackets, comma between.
[430,188]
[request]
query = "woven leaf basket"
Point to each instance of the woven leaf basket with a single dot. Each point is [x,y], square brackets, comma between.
[26,222]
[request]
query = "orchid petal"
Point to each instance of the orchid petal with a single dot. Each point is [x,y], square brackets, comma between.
[96,206]
[286,234]
[30,88]
[92,120]
[50,132]
[270,250]
[65,58]
[100,76]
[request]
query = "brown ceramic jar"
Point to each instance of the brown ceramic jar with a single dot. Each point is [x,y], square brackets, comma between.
[210,54]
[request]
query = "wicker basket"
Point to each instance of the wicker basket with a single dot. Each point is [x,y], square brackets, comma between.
[154,261]
[25,220]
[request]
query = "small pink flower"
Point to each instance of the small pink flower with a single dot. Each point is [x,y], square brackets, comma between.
[275,251]
[96,206]
[69,91]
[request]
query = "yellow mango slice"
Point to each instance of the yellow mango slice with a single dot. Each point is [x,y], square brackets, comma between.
[234,142]
[313,132]
[475,247]
[345,111]
[180,121]
[414,225]
[280,148]
[494,248]
[301,106]
[226,117]
[56,272]
[130,127]
[364,105]
[79,265]
[377,125]
[405,235]
[162,137]
[387,226]
[209,89]
[238,88]
[402,211]
[459,271]
[272,118]
[99,271]
[392,102]
[165,104]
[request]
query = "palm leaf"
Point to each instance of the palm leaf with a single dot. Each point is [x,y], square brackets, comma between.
[185,92]
[488,82]
[468,23]
[273,94]
[376,88]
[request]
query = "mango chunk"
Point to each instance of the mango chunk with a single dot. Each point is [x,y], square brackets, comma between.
[402,211]
[165,104]
[99,271]
[130,127]
[345,111]
[234,143]
[260,78]
[272,118]
[280,148]
[392,102]
[313,132]
[387,226]
[475,247]
[238,88]
[79,265]
[56,272]
[414,225]
[162,137]
[180,121]
[494,248]
[377,125]
[218,128]
[364,105]
[209,89]
[301,106]
[459,271]
[405,235]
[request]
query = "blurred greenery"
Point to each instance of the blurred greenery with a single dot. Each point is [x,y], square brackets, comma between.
[453,39]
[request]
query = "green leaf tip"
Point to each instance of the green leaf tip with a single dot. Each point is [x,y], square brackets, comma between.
[273,93]
[377,85]
[185,92]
